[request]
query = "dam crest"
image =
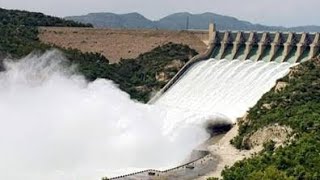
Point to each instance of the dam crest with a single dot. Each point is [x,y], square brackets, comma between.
[266,46]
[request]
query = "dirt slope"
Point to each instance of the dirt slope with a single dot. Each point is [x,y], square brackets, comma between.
[120,43]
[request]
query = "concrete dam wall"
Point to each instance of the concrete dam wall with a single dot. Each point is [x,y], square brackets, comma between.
[267,46]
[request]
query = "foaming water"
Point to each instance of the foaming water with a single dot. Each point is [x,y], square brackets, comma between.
[223,86]
[57,126]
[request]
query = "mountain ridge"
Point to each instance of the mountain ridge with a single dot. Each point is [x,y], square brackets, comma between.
[178,21]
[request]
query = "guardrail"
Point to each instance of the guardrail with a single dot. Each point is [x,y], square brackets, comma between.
[157,171]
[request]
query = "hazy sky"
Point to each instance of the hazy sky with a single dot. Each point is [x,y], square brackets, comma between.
[269,12]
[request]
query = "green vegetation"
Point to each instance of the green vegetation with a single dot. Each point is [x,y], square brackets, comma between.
[33,19]
[297,106]
[137,76]
[19,32]
[212,178]
[19,37]
[18,41]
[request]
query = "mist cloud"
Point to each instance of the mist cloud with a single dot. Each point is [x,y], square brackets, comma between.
[56,125]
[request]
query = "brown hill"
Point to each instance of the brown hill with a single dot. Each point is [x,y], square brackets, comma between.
[120,43]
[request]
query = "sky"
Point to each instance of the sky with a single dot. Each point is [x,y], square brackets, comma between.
[269,12]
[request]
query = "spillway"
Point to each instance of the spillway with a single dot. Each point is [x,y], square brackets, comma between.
[214,82]
[223,86]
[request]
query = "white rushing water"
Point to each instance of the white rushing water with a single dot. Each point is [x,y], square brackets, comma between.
[222,86]
[57,126]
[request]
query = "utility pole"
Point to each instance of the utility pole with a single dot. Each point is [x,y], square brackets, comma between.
[187,23]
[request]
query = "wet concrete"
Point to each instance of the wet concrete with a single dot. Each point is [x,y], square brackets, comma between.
[200,163]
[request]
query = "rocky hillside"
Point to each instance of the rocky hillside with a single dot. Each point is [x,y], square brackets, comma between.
[178,21]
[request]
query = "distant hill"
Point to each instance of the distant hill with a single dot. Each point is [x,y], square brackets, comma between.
[201,21]
[111,20]
[178,21]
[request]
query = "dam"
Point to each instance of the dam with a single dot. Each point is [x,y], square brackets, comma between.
[265,46]
[279,47]
[225,81]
